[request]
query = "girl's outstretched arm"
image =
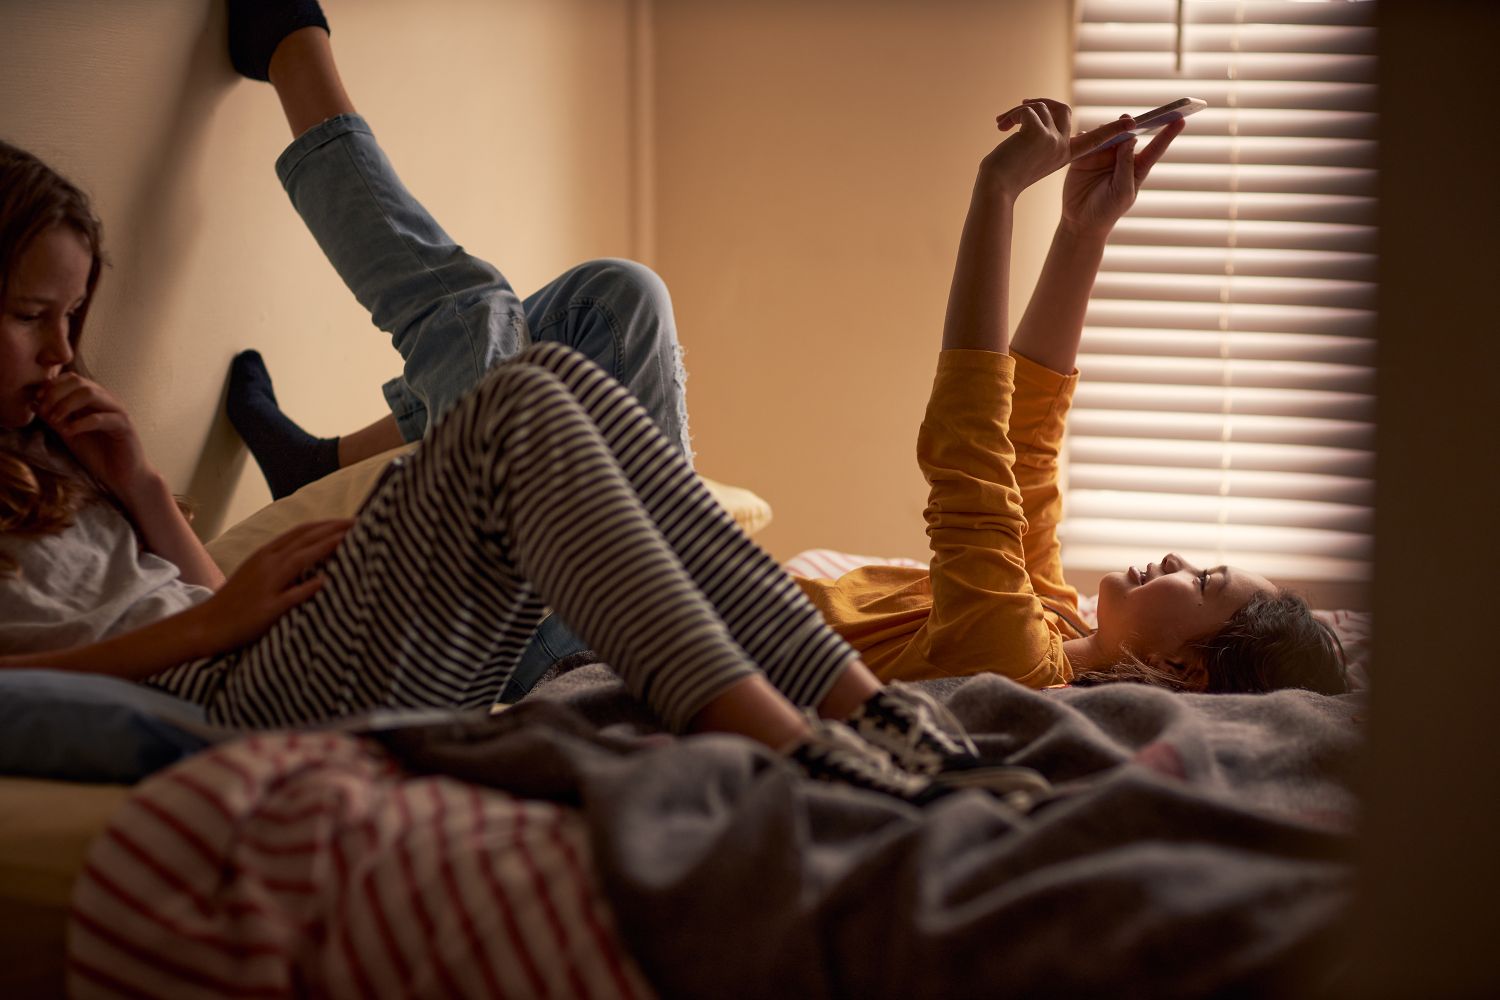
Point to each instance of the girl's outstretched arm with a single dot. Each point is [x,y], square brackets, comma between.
[1099,189]
[267,586]
[100,435]
[980,295]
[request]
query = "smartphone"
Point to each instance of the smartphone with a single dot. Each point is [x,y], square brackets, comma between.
[1149,121]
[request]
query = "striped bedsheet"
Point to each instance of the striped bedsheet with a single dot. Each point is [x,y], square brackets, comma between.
[311,864]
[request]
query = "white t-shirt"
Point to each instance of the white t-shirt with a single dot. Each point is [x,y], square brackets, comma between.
[85,583]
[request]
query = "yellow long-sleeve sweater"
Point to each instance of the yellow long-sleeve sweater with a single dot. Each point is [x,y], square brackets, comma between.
[994,599]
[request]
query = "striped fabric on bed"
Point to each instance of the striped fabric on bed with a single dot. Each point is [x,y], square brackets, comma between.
[311,864]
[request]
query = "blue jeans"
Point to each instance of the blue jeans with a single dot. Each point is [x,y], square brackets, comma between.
[452,316]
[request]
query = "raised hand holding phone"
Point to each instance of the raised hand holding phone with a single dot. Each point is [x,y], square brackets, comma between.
[1044,143]
[1102,184]
[1150,121]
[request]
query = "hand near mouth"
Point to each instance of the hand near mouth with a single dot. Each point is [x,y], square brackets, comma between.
[98,431]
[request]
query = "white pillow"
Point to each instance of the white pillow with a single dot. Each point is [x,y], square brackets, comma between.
[342,493]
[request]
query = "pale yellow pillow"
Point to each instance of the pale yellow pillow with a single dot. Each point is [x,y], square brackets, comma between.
[341,494]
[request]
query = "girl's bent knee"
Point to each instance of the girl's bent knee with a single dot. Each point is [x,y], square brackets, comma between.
[629,284]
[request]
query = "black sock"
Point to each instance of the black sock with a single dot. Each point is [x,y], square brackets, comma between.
[256,27]
[289,457]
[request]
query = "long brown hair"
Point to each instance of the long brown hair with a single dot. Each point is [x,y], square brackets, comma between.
[1273,642]
[35,498]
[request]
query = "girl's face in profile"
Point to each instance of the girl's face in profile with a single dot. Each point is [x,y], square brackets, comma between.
[1154,612]
[48,285]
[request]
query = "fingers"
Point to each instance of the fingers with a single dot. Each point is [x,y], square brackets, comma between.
[1059,114]
[317,547]
[1055,116]
[293,552]
[1085,142]
[1125,159]
[294,596]
[106,422]
[62,400]
[1027,116]
[1009,119]
[1154,150]
[1043,112]
[281,564]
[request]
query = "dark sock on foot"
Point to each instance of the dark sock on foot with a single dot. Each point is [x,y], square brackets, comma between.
[256,27]
[289,457]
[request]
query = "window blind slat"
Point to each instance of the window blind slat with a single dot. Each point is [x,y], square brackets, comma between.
[1209,509]
[1310,486]
[1284,206]
[1241,261]
[1243,122]
[1240,372]
[1263,178]
[1280,95]
[1233,399]
[1275,151]
[1276,565]
[1248,427]
[1238,288]
[1246,234]
[1148,36]
[1222,456]
[1252,346]
[1248,540]
[1233,316]
[1161,36]
[1159,63]
[1277,12]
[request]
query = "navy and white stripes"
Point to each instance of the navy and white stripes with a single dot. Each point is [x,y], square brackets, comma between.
[548,485]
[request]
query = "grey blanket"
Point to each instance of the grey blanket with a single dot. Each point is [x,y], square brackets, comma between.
[1202,848]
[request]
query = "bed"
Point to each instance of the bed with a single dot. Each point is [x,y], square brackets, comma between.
[1201,846]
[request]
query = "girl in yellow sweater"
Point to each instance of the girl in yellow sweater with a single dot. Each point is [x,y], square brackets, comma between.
[994,599]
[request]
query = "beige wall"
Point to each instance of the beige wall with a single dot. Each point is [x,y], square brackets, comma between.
[510,118]
[813,162]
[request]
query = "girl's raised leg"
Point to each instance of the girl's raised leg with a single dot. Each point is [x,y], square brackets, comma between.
[307,80]
[450,315]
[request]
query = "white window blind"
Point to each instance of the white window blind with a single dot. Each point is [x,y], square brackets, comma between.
[1226,409]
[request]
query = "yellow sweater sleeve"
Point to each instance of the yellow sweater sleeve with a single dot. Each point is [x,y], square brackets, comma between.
[985,615]
[1040,412]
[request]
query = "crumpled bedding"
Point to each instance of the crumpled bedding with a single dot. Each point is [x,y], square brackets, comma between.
[1200,845]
